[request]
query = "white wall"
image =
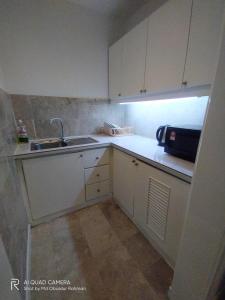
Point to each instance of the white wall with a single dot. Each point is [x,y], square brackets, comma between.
[203,240]
[52,47]
[146,117]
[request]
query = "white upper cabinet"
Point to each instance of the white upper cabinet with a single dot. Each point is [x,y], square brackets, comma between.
[133,62]
[175,47]
[168,31]
[115,69]
[203,41]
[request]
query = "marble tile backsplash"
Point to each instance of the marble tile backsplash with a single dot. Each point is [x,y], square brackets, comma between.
[13,218]
[80,116]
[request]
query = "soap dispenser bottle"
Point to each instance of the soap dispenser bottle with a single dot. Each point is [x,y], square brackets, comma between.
[22,132]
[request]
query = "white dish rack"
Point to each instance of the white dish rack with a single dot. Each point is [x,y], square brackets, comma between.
[119,131]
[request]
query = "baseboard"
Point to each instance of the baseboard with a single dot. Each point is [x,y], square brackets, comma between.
[28,260]
[51,217]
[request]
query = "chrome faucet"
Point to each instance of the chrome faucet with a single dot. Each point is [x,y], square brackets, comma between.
[62,128]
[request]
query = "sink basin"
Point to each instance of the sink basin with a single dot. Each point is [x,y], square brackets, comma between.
[80,141]
[48,144]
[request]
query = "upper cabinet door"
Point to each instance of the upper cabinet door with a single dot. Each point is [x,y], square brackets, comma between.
[134,56]
[115,69]
[203,41]
[167,46]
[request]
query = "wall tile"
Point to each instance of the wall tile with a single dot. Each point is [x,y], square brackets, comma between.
[22,107]
[13,218]
[80,116]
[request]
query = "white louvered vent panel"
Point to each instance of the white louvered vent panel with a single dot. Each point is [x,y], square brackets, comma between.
[157,207]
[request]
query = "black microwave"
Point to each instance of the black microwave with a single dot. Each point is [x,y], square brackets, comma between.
[182,142]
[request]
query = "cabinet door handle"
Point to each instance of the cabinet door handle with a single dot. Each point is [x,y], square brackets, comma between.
[184,83]
[136,164]
[98,175]
[119,94]
[145,91]
[98,190]
[81,155]
[97,157]
[133,161]
[141,91]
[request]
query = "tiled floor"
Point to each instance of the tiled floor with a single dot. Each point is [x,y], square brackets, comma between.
[100,249]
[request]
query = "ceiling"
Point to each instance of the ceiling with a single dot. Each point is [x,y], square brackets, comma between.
[112,8]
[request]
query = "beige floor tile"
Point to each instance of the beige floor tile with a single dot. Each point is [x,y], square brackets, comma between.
[98,231]
[159,276]
[98,248]
[137,245]
[41,234]
[120,223]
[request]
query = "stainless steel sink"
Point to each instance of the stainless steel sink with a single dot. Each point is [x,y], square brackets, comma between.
[56,143]
[80,141]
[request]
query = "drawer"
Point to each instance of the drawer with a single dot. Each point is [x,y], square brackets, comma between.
[98,189]
[96,157]
[96,174]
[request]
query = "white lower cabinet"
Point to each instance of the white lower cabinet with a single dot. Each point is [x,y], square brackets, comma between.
[123,180]
[156,199]
[159,208]
[54,183]
[98,189]
[58,183]
[97,174]
[96,157]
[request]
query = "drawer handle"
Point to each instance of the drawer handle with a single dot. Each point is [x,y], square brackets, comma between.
[136,164]
[98,190]
[97,157]
[133,161]
[98,175]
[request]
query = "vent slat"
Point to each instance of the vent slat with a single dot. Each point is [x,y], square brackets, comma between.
[164,195]
[157,210]
[158,202]
[157,207]
[156,216]
[155,192]
[159,191]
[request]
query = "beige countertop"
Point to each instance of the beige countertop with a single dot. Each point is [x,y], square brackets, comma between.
[142,148]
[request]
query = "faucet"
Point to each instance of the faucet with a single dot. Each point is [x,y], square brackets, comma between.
[62,129]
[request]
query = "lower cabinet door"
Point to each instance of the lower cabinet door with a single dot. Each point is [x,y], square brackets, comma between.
[96,157]
[54,183]
[98,189]
[124,171]
[159,208]
[97,174]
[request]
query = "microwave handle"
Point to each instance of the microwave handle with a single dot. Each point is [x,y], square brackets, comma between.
[159,133]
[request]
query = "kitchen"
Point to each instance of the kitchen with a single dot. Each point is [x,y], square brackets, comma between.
[93,200]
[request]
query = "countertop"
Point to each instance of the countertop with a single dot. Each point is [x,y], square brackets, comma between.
[142,148]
